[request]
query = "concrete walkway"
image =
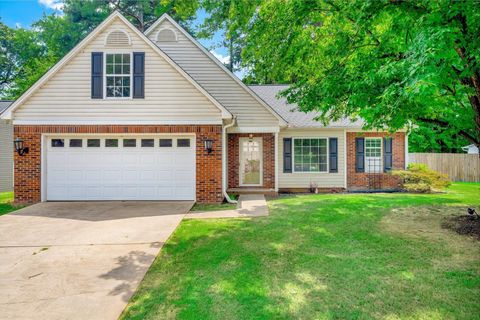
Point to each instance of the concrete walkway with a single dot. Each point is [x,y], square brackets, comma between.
[249,206]
[80,260]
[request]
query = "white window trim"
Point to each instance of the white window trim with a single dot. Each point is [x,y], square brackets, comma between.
[105,74]
[241,156]
[310,172]
[381,154]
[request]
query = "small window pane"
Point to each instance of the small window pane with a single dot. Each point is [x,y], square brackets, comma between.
[165,143]
[93,143]
[58,143]
[126,58]
[126,69]
[129,143]
[76,143]
[148,143]
[183,143]
[118,58]
[109,58]
[111,143]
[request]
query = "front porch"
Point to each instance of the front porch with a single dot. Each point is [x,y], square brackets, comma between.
[251,163]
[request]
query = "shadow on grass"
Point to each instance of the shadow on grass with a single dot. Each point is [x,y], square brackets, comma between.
[321,256]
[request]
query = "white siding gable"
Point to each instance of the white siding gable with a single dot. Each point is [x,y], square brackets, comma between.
[169,97]
[249,112]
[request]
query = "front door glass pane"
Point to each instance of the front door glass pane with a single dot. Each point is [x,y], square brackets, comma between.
[251,162]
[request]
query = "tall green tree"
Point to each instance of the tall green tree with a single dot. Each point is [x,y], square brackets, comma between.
[390,62]
[230,17]
[23,59]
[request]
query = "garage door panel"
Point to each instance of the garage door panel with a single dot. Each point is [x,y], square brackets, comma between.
[120,173]
[74,175]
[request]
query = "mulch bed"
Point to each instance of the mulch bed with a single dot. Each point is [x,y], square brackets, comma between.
[464,225]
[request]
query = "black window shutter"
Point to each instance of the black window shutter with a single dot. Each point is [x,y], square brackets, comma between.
[360,154]
[387,154]
[287,155]
[333,151]
[139,75]
[97,75]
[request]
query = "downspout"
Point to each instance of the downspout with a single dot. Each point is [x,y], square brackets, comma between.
[224,160]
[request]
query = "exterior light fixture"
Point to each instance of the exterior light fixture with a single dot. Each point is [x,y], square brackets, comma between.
[208,145]
[19,147]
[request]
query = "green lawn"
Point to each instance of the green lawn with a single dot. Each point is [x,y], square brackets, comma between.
[5,203]
[213,207]
[336,256]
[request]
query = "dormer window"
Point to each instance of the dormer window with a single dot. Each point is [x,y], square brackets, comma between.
[118,75]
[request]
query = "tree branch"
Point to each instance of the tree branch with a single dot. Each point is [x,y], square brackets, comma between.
[445,124]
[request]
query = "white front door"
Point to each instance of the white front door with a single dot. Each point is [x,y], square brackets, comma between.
[120,168]
[251,162]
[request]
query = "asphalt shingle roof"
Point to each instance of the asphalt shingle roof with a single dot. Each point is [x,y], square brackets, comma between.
[290,112]
[4,105]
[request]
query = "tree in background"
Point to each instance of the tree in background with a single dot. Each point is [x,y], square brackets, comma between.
[231,18]
[390,62]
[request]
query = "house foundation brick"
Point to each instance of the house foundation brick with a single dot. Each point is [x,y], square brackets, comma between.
[268,159]
[27,169]
[362,180]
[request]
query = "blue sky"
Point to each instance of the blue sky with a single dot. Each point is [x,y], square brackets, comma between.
[22,13]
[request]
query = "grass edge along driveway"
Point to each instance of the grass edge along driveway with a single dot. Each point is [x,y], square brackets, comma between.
[320,256]
[6,199]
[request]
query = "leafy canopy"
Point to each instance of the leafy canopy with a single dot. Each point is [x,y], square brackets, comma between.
[390,62]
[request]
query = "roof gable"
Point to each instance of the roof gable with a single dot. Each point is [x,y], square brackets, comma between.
[78,48]
[205,69]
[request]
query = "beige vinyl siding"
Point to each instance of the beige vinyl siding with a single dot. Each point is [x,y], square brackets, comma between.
[301,179]
[169,96]
[6,156]
[249,112]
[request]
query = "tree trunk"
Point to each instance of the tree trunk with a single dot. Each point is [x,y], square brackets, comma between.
[231,53]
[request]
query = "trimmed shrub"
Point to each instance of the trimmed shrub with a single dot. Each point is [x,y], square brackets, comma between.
[419,178]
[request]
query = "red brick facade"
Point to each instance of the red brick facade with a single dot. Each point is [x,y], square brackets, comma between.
[268,159]
[361,180]
[208,166]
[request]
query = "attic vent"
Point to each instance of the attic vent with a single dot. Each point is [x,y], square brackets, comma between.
[166,35]
[117,38]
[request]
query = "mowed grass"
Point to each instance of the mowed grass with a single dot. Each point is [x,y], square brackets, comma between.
[6,199]
[336,256]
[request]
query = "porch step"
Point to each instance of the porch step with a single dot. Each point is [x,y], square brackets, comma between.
[264,191]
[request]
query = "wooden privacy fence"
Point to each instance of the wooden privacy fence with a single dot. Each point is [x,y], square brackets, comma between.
[458,166]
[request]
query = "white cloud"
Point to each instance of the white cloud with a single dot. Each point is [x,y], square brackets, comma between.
[52,4]
[18,25]
[220,57]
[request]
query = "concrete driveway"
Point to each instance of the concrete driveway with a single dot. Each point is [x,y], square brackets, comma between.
[79,260]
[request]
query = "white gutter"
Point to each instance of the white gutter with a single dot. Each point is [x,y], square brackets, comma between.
[276,161]
[406,149]
[224,160]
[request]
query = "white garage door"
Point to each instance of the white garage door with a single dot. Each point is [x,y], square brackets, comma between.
[120,168]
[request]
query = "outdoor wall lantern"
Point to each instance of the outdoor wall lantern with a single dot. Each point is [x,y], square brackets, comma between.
[19,147]
[208,145]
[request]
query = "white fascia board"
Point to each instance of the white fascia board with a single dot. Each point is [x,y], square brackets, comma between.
[116,122]
[164,16]
[373,130]
[310,129]
[8,113]
[254,130]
